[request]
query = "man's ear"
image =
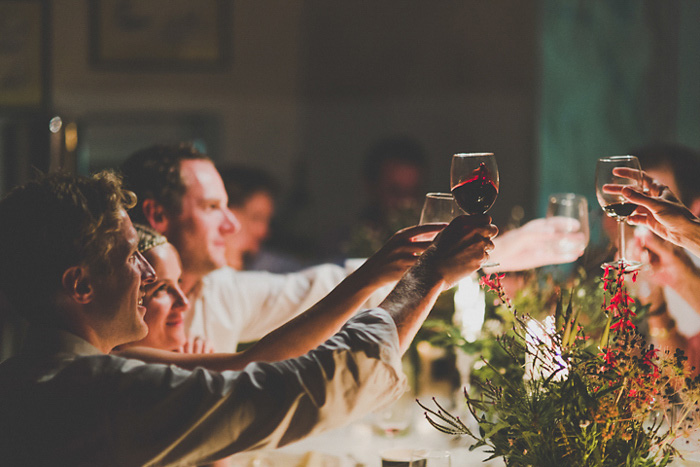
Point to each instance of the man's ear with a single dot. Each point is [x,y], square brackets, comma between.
[695,207]
[155,215]
[77,284]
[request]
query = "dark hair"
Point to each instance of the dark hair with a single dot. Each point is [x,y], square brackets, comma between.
[51,224]
[154,173]
[682,161]
[242,182]
[406,150]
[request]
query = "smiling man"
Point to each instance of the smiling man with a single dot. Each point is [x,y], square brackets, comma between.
[71,268]
[182,196]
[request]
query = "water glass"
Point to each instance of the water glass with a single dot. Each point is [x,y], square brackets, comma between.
[430,458]
[568,216]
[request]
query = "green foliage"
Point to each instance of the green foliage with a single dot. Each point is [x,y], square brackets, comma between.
[559,395]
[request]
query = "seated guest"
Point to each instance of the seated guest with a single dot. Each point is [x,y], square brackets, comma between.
[671,281]
[182,196]
[662,213]
[72,268]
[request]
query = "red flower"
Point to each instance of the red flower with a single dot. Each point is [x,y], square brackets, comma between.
[609,357]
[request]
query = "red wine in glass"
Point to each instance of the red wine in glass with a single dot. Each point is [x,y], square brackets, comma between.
[474,182]
[477,194]
[620,210]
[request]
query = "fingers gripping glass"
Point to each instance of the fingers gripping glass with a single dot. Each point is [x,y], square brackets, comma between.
[474,183]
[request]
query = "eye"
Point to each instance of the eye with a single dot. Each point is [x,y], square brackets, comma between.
[132,258]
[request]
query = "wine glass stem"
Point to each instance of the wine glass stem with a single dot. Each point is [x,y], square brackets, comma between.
[622,240]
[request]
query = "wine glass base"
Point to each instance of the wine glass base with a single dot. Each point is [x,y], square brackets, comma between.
[630,266]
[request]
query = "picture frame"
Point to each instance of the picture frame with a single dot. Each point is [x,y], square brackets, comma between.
[24,55]
[160,35]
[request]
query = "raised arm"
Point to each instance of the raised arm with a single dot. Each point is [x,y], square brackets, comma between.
[458,251]
[660,210]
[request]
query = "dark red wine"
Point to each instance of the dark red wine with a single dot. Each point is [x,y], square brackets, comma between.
[620,210]
[476,195]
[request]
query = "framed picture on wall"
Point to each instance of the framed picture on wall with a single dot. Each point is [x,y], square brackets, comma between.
[23,54]
[160,35]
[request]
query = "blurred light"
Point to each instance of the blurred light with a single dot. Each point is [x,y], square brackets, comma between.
[55,124]
[71,136]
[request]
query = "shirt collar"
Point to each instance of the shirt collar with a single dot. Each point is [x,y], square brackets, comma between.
[52,340]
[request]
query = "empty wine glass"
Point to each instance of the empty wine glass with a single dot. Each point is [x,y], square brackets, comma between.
[474,183]
[616,205]
[568,217]
[439,208]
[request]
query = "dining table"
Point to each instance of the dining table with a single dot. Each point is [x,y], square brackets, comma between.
[361,444]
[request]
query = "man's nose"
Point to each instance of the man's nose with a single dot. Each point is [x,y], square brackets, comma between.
[231,223]
[148,274]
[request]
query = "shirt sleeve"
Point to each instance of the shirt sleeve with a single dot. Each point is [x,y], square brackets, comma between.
[162,415]
[264,301]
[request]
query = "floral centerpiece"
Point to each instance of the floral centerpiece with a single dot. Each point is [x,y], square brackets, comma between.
[608,400]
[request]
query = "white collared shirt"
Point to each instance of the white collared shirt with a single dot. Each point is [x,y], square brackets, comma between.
[231,306]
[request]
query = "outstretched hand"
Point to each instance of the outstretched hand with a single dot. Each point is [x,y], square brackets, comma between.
[659,210]
[535,244]
[399,253]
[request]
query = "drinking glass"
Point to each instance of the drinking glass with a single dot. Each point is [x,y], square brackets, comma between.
[430,458]
[474,183]
[614,205]
[439,208]
[568,215]
[396,418]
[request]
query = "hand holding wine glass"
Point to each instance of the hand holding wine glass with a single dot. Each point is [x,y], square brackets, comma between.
[616,205]
[474,183]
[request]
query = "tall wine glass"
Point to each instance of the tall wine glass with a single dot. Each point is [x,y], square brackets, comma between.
[617,206]
[474,183]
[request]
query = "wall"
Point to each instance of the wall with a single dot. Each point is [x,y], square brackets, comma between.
[317,83]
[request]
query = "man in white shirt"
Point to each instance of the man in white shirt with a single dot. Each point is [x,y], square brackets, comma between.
[71,267]
[182,196]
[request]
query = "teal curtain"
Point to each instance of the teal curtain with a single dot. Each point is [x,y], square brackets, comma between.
[615,74]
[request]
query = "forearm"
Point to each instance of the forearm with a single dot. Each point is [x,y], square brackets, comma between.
[412,299]
[308,330]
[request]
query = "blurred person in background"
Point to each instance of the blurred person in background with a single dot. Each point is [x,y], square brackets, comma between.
[671,282]
[252,195]
[393,174]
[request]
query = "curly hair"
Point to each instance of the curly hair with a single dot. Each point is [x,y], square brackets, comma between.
[154,173]
[51,224]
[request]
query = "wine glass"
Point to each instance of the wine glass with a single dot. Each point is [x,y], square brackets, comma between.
[616,205]
[439,208]
[568,217]
[474,183]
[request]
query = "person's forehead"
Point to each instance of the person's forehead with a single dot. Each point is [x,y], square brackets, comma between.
[128,229]
[201,179]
